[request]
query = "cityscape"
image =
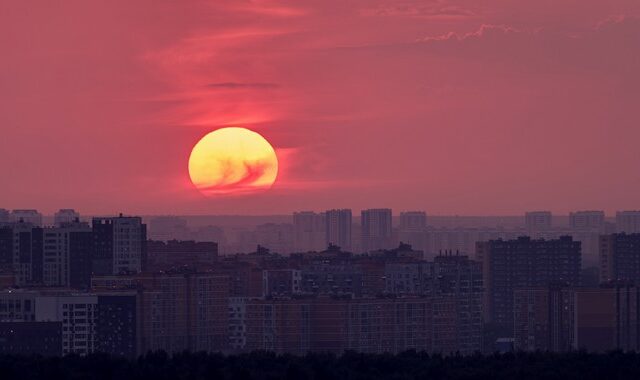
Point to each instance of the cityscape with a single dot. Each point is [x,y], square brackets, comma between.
[323,282]
[319,190]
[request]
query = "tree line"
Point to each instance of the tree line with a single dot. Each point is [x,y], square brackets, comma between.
[262,365]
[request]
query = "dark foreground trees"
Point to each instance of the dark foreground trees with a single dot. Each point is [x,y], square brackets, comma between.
[265,365]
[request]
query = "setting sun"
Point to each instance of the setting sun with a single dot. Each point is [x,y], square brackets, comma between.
[232,160]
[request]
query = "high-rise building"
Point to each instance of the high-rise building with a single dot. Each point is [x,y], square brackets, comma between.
[338,228]
[372,325]
[6,249]
[116,324]
[620,257]
[628,222]
[537,221]
[309,231]
[412,229]
[29,338]
[408,278]
[120,245]
[278,237]
[28,254]
[413,220]
[185,311]
[51,256]
[64,216]
[27,216]
[376,229]
[279,282]
[281,326]
[456,292]
[587,220]
[5,217]
[607,318]
[524,263]
[78,316]
[544,319]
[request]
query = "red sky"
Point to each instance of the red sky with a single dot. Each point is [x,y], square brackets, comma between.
[453,107]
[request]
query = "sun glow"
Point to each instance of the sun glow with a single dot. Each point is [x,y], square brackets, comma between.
[233,160]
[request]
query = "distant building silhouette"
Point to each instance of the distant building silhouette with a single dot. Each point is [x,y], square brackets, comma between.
[27,216]
[376,229]
[628,222]
[309,231]
[64,216]
[537,221]
[587,220]
[338,228]
[412,230]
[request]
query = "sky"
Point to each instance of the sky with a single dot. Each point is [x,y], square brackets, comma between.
[463,107]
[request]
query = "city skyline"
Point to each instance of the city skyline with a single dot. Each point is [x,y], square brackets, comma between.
[326,189]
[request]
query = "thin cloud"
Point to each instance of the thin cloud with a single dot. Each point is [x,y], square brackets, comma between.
[240,85]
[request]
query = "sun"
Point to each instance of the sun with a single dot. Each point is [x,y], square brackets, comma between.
[233,160]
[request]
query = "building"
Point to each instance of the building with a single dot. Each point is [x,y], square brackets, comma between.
[408,278]
[412,229]
[628,222]
[281,282]
[50,256]
[28,246]
[5,217]
[164,255]
[544,319]
[6,249]
[67,255]
[338,228]
[607,318]
[116,331]
[309,231]
[238,323]
[463,239]
[325,277]
[31,338]
[620,257]
[120,245]
[413,220]
[78,316]
[457,294]
[27,216]
[281,326]
[184,311]
[537,221]
[371,325]
[562,319]
[17,306]
[523,263]
[64,216]
[376,229]
[587,220]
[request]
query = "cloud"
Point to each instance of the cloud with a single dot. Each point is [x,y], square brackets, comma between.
[240,85]
[483,31]
[435,10]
